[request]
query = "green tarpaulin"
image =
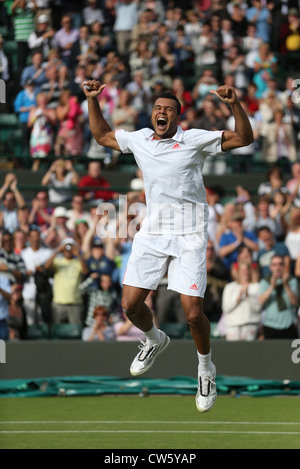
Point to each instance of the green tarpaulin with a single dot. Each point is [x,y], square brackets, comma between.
[180,385]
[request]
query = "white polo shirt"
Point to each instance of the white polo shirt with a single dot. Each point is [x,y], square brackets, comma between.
[172,171]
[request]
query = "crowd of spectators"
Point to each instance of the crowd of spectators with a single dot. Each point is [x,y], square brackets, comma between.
[60,260]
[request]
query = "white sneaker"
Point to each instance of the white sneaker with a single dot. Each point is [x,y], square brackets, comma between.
[207,391]
[149,351]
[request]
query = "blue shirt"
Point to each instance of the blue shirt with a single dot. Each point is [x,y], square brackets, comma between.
[24,99]
[262,25]
[265,256]
[4,305]
[229,238]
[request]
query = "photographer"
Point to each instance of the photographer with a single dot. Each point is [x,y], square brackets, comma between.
[68,270]
[278,298]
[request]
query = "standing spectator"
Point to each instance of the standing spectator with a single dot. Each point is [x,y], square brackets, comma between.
[41,39]
[265,67]
[100,291]
[23,19]
[274,182]
[217,278]
[215,212]
[243,157]
[11,264]
[65,38]
[100,260]
[69,140]
[93,179]
[140,61]
[12,198]
[68,268]
[183,50]
[140,98]
[35,72]
[17,323]
[293,184]
[77,212]
[278,298]
[126,19]
[5,297]
[261,18]
[19,239]
[183,95]
[245,255]
[42,122]
[292,239]
[60,177]
[24,102]
[59,224]
[34,257]
[241,307]
[268,248]
[279,142]
[41,212]
[92,13]
[232,240]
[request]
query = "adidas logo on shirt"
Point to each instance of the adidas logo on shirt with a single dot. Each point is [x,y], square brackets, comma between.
[176,147]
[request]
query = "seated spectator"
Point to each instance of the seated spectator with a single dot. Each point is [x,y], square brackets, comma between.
[210,116]
[34,256]
[41,212]
[68,270]
[232,240]
[24,102]
[100,330]
[5,297]
[263,217]
[69,139]
[11,264]
[52,87]
[100,291]
[17,323]
[126,331]
[234,63]
[241,307]
[23,219]
[10,198]
[279,210]
[278,297]
[268,247]
[60,177]
[42,122]
[93,179]
[35,72]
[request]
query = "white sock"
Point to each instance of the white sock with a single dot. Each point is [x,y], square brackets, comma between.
[153,335]
[204,363]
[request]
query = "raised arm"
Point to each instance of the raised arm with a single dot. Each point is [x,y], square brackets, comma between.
[100,129]
[242,135]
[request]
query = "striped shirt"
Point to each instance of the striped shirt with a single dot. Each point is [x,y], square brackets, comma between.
[14,262]
[23,24]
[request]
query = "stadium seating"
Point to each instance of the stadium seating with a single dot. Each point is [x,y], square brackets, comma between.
[66,332]
[37,332]
[174,330]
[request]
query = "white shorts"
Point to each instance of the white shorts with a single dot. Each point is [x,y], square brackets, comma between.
[181,257]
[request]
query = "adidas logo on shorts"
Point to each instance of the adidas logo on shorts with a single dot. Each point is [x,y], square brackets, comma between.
[194,287]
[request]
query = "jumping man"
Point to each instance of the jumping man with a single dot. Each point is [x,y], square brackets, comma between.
[173,236]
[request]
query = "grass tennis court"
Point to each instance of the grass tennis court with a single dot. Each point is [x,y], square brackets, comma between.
[153,422]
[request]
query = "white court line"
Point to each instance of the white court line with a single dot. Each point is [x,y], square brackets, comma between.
[152,431]
[165,422]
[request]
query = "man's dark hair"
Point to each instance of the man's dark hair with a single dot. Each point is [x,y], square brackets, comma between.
[169,95]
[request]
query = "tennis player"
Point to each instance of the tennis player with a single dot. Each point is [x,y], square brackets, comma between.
[173,236]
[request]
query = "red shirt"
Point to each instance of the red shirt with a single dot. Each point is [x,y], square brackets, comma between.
[88,181]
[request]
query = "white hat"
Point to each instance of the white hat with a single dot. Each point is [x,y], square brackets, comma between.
[67,241]
[61,212]
[43,19]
